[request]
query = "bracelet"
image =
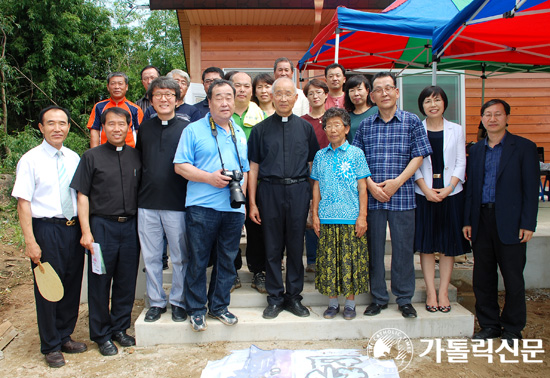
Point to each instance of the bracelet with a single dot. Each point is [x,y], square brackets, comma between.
[453,186]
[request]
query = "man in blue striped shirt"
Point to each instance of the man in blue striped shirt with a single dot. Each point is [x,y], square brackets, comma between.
[394,142]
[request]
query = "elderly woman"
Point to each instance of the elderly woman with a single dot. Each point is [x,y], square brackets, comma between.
[184,111]
[262,95]
[357,102]
[340,174]
[439,198]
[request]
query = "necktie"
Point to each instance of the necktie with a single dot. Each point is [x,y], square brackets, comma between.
[64,191]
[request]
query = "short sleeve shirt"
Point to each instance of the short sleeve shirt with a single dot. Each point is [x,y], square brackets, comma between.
[197,147]
[389,147]
[37,180]
[337,172]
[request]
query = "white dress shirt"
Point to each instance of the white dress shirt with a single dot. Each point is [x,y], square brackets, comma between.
[37,180]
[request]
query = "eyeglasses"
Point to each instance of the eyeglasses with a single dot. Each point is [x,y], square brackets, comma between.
[168,96]
[334,126]
[491,115]
[182,82]
[387,89]
[280,95]
[313,93]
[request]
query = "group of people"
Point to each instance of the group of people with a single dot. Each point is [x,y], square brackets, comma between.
[263,154]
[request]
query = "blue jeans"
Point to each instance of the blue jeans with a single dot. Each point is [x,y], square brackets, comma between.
[204,227]
[402,262]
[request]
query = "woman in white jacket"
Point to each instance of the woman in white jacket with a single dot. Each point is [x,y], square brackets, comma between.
[439,198]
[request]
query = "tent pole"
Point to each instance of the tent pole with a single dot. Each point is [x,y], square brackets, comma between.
[483,77]
[434,73]
[337,45]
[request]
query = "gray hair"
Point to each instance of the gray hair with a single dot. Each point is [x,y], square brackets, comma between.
[117,74]
[182,73]
[277,82]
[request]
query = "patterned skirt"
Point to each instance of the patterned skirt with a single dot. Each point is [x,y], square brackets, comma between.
[342,261]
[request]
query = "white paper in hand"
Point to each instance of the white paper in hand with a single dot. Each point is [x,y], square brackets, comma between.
[98,266]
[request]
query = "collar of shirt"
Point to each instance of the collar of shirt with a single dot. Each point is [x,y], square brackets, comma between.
[278,118]
[398,114]
[499,143]
[113,147]
[343,147]
[117,104]
[51,150]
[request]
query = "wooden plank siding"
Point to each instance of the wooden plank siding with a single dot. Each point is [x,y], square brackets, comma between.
[529,97]
[252,46]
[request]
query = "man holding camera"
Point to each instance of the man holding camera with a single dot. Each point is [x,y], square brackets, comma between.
[212,155]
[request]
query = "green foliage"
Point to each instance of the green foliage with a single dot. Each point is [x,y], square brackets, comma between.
[17,145]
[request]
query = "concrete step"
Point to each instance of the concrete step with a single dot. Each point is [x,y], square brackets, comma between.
[252,327]
[246,296]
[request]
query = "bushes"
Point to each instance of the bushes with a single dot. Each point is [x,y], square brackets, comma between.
[12,147]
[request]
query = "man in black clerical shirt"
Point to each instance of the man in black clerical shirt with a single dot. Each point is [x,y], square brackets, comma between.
[107,181]
[281,149]
[161,200]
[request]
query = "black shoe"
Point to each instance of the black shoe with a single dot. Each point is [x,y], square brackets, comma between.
[178,314]
[487,333]
[407,311]
[153,314]
[108,348]
[165,265]
[510,337]
[374,309]
[124,339]
[297,308]
[72,346]
[272,311]
[55,359]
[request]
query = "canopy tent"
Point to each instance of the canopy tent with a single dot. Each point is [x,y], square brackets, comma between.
[507,34]
[399,37]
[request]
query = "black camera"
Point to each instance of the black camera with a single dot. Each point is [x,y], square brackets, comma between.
[236,195]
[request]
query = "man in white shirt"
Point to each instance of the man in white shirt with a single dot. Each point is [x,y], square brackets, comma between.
[47,213]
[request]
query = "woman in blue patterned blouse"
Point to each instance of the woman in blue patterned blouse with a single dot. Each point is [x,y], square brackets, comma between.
[340,216]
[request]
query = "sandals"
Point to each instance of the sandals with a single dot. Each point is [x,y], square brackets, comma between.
[431,308]
[444,309]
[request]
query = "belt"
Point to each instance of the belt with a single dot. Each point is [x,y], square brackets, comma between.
[490,205]
[117,218]
[284,181]
[68,223]
[437,175]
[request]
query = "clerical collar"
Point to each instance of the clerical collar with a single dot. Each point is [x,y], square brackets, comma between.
[114,148]
[282,119]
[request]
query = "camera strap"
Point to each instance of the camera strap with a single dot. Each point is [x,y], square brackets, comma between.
[233,138]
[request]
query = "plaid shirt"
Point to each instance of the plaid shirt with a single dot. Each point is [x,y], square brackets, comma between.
[389,147]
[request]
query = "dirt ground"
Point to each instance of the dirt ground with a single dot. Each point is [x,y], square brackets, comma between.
[22,357]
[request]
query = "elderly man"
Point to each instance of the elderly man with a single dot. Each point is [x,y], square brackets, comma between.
[283,68]
[281,149]
[117,85]
[395,143]
[47,213]
[247,114]
[500,217]
[161,200]
[148,74]
[335,75]
[208,76]
[212,155]
[185,112]
[107,181]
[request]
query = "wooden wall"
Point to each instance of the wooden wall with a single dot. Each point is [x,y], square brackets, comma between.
[528,95]
[252,46]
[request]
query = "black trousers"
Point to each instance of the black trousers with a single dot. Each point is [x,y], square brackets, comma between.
[283,210]
[255,247]
[61,248]
[490,252]
[120,249]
